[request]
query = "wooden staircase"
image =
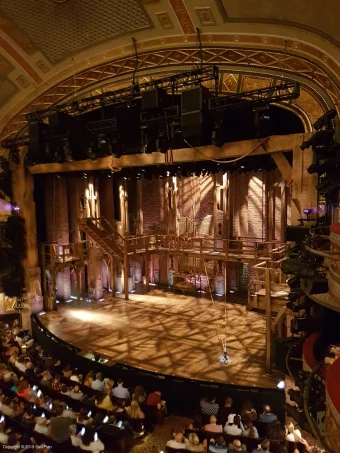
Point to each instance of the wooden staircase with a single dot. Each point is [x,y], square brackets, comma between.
[105,235]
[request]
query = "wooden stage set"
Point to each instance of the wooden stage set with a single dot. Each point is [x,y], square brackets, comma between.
[171,334]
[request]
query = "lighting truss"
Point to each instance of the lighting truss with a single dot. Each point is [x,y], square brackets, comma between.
[256,98]
[169,115]
[110,123]
[130,93]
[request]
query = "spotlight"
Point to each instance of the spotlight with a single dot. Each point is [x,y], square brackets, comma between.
[85,175]
[281,385]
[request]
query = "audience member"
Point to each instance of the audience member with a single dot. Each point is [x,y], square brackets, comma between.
[60,430]
[292,434]
[236,446]
[91,442]
[76,393]
[134,411]
[213,427]
[250,430]
[178,442]
[3,435]
[194,444]
[217,445]
[104,402]
[120,391]
[248,413]
[155,399]
[47,379]
[234,426]
[83,418]
[264,448]
[267,416]
[41,426]
[210,407]
[139,394]
[89,378]
[98,383]
[226,410]
[56,384]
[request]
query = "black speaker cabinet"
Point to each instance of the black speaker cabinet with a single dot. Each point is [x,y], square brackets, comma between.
[193,105]
[153,99]
[194,99]
[295,233]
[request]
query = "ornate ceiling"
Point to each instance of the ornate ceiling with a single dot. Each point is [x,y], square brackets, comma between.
[53,50]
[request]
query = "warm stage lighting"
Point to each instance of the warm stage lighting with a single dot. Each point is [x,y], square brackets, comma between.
[281,385]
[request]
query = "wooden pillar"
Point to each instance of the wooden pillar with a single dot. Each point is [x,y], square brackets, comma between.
[140,217]
[23,196]
[126,271]
[268,320]
[225,280]
[147,264]
[271,208]
[113,276]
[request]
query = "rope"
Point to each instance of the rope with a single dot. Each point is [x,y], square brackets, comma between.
[224,160]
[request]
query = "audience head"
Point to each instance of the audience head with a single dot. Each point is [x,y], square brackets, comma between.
[59,410]
[266,409]
[290,428]
[211,399]
[228,401]
[219,440]
[213,420]
[179,437]
[64,388]
[193,439]
[120,381]
[247,405]
[29,365]
[99,376]
[265,444]
[237,446]
[112,420]
[76,389]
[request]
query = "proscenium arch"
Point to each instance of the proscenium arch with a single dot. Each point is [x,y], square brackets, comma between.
[119,71]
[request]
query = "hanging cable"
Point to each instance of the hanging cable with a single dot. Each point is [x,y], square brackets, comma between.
[136,61]
[231,160]
[199,45]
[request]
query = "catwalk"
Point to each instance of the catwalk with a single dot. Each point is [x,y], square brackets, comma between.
[172,334]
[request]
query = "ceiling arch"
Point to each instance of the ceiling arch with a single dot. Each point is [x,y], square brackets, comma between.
[36,74]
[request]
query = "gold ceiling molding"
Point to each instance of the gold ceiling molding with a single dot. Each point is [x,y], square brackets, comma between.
[251,60]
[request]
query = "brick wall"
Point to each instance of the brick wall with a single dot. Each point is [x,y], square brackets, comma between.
[153,202]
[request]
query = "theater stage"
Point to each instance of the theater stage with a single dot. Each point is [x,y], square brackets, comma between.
[171,334]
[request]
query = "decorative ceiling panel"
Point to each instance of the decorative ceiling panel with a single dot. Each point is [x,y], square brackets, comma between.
[61,29]
[309,104]
[7,90]
[315,15]
[255,83]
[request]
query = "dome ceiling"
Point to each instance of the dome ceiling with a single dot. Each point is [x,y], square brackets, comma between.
[51,50]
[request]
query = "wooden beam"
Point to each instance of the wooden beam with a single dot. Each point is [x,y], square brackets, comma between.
[284,166]
[268,299]
[274,144]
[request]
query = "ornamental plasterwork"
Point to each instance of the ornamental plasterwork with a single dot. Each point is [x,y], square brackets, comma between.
[86,80]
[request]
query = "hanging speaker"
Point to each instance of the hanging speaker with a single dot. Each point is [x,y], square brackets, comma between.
[193,106]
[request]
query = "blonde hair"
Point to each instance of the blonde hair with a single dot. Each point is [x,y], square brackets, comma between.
[135,409]
[193,439]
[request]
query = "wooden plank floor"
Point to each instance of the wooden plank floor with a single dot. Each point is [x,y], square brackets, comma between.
[172,334]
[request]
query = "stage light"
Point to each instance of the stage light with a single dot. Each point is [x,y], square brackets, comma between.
[281,385]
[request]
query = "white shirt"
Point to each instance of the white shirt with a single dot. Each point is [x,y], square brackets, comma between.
[6,410]
[3,438]
[42,429]
[95,446]
[233,430]
[67,413]
[121,392]
[77,395]
[74,378]
[98,385]
[173,444]
[20,366]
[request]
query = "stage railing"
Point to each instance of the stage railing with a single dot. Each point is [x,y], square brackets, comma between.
[181,394]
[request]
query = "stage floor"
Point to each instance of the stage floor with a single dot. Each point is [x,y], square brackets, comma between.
[171,334]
